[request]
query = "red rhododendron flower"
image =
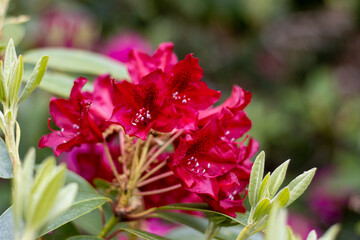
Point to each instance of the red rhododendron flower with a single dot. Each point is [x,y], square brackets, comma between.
[140,108]
[140,64]
[188,93]
[72,116]
[239,99]
[90,160]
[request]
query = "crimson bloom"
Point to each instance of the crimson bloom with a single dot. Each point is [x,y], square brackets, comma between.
[73,118]
[188,93]
[141,64]
[140,107]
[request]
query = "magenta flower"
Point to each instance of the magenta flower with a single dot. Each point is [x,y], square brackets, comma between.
[120,46]
[140,108]
[188,93]
[140,64]
[73,118]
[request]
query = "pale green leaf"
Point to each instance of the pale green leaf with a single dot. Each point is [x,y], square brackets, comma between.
[83,237]
[7,225]
[79,61]
[312,235]
[65,198]
[35,78]
[276,224]
[282,197]
[10,58]
[264,188]
[44,197]
[261,209]
[5,161]
[256,175]
[300,184]
[144,235]
[2,84]
[331,233]
[277,178]
[58,83]
[86,201]
[15,80]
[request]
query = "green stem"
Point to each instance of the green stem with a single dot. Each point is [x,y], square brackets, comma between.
[109,226]
[245,233]
[11,145]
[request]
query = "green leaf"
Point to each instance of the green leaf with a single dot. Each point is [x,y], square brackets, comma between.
[86,201]
[2,84]
[5,162]
[45,196]
[261,209]
[256,175]
[10,58]
[185,219]
[196,207]
[7,225]
[331,233]
[79,61]
[83,237]
[300,184]
[35,78]
[312,235]
[144,235]
[282,197]
[57,83]
[277,178]
[264,188]
[64,199]
[15,80]
[276,224]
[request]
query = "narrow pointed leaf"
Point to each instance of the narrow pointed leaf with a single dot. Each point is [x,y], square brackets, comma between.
[331,233]
[86,201]
[276,224]
[57,83]
[256,175]
[312,235]
[261,209]
[185,219]
[83,237]
[282,197]
[196,207]
[2,84]
[300,184]
[79,61]
[6,170]
[64,199]
[35,78]
[45,196]
[264,188]
[144,235]
[15,80]
[10,58]
[277,178]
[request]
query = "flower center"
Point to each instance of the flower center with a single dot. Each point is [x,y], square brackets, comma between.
[181,98]
[141,117]
[193,165]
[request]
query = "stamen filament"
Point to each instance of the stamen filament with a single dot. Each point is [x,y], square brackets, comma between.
[153,179]
[152,171]
[161,149]
[112,165]
[158,191]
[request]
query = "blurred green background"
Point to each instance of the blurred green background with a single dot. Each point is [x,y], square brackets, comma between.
[299,58]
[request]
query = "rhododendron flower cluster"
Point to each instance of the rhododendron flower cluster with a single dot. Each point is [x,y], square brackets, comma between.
[157,138]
